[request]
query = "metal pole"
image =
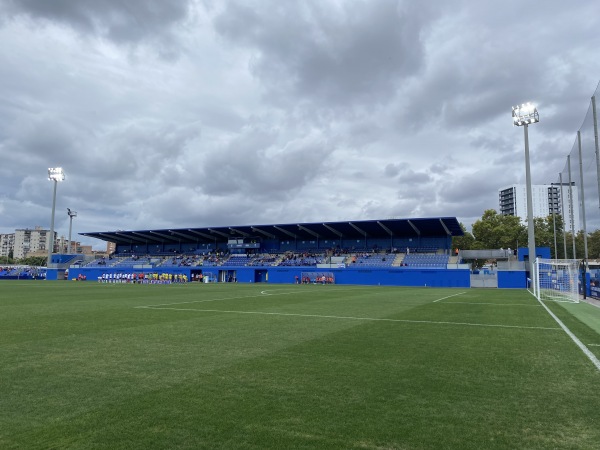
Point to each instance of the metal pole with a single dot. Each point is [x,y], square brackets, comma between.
[585,246]
[572,211]
[584,278]
[51,240]
[562,208]
[597,146]
[70,228]
[530,229]
[554,228]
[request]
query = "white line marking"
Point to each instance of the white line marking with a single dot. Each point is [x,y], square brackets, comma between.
[594,345]
[208,300]
[575,339]
[277,293]
[449,296]
[354,318]
[494,304]
[300,291]
[262,293]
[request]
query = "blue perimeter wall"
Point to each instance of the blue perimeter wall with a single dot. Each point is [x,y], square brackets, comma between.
[384,277]
[286,275]
[512,279]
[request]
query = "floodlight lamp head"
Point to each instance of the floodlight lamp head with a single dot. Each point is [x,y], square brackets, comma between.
[71,213]
[525,114]
[56,174]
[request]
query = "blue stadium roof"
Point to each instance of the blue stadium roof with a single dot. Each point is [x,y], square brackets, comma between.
[401,228]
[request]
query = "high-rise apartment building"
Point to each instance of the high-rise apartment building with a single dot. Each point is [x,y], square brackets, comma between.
[546,200]
[111,247]
[29,241]
[7,243]
[61,245]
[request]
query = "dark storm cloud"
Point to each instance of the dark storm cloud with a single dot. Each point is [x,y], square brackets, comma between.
[439,168]
[332,55]
[407,176]
[473,194]
[126,21]
[482,62]
[391,170]
[259,163]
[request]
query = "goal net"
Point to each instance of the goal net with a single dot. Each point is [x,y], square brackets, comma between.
[557,279]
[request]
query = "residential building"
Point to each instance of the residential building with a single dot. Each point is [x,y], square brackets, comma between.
[111,247]
[29,241]
[62,245]
[547,199]
[7,244]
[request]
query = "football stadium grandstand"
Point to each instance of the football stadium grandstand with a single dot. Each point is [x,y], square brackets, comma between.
[393,252]
[20,272]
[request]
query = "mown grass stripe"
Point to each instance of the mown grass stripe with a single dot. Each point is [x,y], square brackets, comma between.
[380,319]
[574,338]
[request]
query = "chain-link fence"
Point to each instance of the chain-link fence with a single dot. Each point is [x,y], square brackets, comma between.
[579,182]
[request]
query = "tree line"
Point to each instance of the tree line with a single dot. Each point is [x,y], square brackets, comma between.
[495,231]
[38,261]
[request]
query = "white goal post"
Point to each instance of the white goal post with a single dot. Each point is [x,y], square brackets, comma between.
[556,279]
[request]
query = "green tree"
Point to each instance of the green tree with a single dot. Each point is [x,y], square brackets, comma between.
[580,244]
[594,245]
[39,261]
[465,242]
[545,229]
[494,230]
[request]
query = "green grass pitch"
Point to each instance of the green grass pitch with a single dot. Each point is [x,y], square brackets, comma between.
[107,366]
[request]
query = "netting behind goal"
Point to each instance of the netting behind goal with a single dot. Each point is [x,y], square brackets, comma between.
[557,279]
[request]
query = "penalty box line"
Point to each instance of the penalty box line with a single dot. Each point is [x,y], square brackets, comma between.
[479,303]
[372,319]
[449,296]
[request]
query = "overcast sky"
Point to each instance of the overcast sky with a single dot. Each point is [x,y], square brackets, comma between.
[171,114]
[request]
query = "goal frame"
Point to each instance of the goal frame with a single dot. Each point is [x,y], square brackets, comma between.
[556,279]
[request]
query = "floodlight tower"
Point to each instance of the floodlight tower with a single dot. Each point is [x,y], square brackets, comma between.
[523,116]
[55,174]
[71,214]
